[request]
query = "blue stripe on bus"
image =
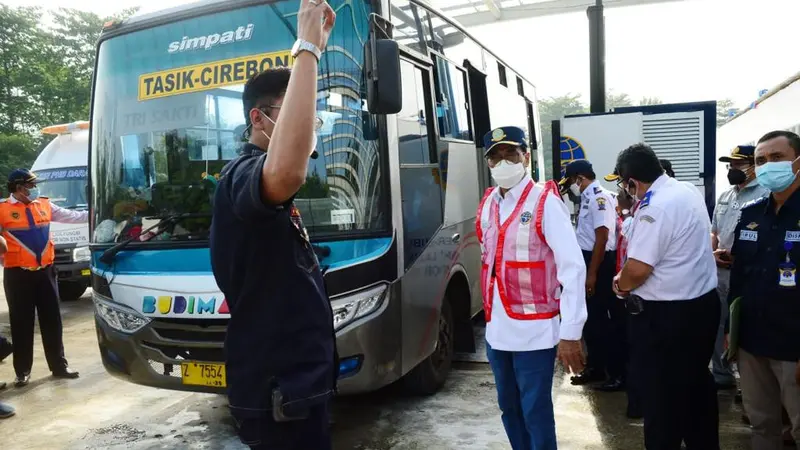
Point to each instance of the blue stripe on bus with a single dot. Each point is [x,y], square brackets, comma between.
[197,261]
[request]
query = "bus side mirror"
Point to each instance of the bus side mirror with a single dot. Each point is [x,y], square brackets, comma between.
[384,88]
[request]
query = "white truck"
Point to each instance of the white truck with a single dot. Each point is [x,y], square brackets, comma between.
[683,133]
[62,169]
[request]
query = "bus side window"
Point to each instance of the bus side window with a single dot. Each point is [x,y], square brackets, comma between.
[419,169]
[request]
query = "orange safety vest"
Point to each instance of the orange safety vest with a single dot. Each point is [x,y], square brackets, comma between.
[26,229]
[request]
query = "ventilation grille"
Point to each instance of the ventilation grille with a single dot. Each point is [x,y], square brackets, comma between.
[677,137]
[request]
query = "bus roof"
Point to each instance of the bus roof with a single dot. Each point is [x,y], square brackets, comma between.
[65,128]
[783,85]
[166,13]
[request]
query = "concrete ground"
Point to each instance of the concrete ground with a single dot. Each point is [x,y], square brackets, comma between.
[98,411]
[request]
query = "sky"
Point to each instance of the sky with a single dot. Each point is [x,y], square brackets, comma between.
[692,50]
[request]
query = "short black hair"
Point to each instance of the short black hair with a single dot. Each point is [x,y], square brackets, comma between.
[639,162]
[264,88]
[667,166]
[794,139]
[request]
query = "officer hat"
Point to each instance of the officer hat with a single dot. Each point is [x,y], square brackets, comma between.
[612,177]
[21,176]
[504,135]
[577,167]
[741,153]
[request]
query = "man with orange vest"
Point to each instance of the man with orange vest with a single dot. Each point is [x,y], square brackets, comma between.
[533,285]
[29,276]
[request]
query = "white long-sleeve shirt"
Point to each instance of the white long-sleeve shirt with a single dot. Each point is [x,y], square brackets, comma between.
[507,334]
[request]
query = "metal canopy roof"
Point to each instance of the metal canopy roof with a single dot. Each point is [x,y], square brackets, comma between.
[472,13]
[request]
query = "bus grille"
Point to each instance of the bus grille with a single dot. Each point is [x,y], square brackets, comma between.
[63,256]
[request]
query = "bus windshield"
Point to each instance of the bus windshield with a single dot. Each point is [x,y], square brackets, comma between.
[168,116]
[64,187]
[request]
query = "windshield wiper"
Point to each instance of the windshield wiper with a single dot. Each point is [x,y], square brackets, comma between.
[108,256]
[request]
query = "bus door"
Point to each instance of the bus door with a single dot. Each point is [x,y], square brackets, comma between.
[479,101]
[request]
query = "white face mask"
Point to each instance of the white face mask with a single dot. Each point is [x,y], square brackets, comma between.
[507,174]
[313,133]
[576,190]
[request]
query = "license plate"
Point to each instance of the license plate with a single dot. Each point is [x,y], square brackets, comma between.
[203,374]
[86,272]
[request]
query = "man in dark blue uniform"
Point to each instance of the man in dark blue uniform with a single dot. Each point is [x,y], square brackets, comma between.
[280,345]
[766,252]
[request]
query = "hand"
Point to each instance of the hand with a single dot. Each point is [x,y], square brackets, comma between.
[591,281]
[723,257]
[570,355]
[315,21]
[617,290]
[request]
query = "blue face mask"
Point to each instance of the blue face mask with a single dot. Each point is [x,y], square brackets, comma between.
[33,193]
[776,176]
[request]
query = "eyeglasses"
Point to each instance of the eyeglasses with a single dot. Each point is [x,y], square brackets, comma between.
[738,166]
[318,121]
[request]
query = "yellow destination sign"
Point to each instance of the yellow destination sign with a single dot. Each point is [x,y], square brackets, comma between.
[202,77]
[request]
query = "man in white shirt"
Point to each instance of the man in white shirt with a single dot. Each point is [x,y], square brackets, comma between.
[532,281]
[604,332]
[670,281]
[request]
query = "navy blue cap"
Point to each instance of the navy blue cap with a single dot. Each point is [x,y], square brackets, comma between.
[504,135]
[22,176]
[741,153]
[576,167]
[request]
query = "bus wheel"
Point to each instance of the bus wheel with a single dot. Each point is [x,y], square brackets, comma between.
[70,291]
[429,376]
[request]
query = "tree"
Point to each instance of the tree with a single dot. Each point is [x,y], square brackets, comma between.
[17,151]
[649,101]
[555,108]
[616,100]
[725,110]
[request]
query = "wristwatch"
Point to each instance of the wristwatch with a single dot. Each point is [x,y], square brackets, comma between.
[301,45]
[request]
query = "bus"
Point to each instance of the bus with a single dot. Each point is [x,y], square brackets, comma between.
[389,202]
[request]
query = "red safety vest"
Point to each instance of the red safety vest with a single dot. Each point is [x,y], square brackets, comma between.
[515,255]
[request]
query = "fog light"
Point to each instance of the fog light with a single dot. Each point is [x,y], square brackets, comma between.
[349,366]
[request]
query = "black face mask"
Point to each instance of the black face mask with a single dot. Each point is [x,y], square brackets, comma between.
[736,176]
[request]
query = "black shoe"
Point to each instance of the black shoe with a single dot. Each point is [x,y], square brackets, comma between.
[738,397]
[67,373]
[612,385]
[6,411]
[745,419]
[22,380]
[5,350]
[587,376]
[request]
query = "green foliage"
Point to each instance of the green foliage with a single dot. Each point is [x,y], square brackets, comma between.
[723,108]
[17,151]
[314,187]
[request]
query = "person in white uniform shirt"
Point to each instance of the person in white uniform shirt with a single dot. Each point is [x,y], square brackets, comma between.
[532,280]
[604,331]
[670,283]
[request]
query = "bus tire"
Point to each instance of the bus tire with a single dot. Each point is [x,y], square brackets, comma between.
[429,376]
[70,291]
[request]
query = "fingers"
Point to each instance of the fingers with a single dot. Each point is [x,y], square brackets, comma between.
[329,16]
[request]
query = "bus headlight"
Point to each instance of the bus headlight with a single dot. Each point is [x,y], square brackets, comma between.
[81,254]
[119,317]
[356,306]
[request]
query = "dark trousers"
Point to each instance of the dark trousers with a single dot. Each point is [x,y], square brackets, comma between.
[29,293]
[312,432]
[605,328]
[671,345]
[524,383]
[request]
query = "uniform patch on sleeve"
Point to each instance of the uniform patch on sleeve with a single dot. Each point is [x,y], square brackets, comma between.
[601,203]
[646,218]
[748,235]
[597,190]
[793,236]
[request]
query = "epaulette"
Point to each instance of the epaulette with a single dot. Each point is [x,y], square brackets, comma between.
[754,202]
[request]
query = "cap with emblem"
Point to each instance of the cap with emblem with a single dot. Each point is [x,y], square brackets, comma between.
[504,135]
[577,167]
[612,176]
[21,176]
[741,153]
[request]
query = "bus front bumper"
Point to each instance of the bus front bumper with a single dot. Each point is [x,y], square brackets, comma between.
[369,351]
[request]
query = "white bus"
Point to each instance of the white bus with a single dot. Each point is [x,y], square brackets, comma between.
[389,204]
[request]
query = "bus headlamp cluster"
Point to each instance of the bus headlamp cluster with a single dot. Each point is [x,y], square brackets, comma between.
[118,317]
[355,306]
[81,254]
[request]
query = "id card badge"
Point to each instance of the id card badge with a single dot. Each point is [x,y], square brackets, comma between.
[787,270]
